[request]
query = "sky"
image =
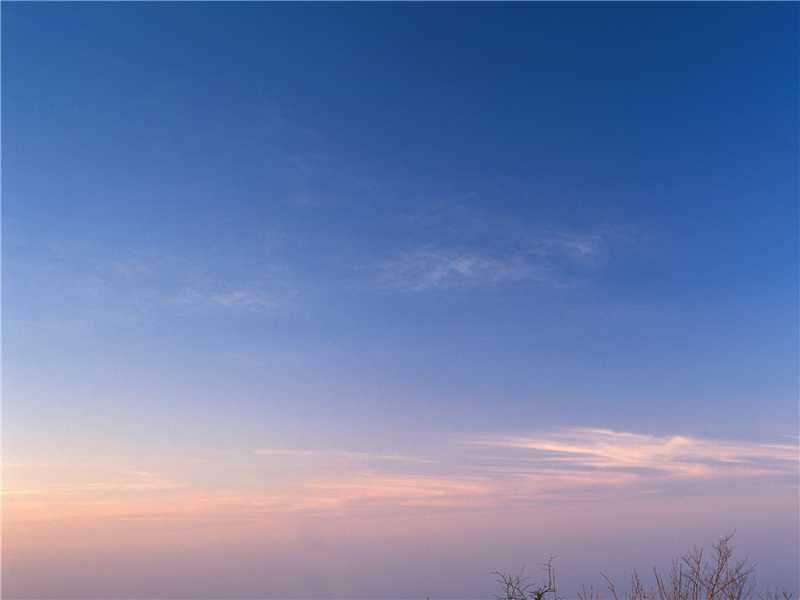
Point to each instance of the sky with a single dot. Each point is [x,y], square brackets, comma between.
[371,300]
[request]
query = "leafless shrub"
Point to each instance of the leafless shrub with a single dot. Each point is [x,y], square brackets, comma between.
[517,587]
[693,579]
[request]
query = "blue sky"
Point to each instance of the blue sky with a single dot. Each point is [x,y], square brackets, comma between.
[368,270]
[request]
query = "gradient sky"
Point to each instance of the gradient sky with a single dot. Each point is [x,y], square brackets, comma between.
[309,300]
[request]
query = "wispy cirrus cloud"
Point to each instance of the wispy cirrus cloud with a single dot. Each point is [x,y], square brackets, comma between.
[180,284]
[600,450]
[339,455]
[93,288]
[554,259]
[578,465]
[438,268]
[234,301]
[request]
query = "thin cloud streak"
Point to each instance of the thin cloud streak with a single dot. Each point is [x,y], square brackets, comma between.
[422,270]
[340,454]
[134,289]
[249,301]
[553,259]
[576,465]
[590,449]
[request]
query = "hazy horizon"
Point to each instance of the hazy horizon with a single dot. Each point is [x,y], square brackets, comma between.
[370,300]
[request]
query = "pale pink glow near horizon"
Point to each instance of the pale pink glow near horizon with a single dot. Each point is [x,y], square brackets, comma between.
[555,488]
